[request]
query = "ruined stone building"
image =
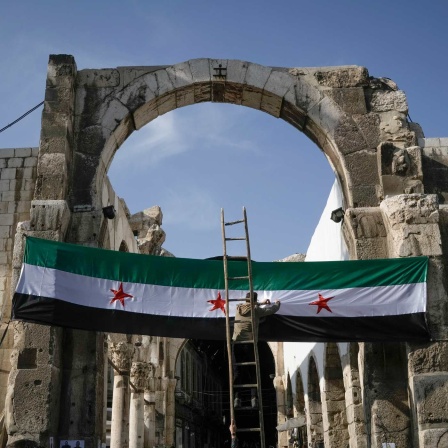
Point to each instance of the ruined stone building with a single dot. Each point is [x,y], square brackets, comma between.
[54,381]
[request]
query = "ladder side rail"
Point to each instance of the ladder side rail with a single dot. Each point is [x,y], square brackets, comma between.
[228,335]
[255,333]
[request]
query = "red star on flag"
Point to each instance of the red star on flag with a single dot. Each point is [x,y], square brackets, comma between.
[322,303]
[120,295]
[218,304]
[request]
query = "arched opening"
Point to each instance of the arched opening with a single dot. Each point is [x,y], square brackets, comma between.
[315,425]
[202,408]
[334,395]
[196,160]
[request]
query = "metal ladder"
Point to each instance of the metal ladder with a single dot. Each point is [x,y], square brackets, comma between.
[252,346]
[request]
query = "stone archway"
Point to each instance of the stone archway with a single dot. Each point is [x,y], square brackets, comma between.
[330,105]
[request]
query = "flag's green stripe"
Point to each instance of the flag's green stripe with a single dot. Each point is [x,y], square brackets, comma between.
[190,273]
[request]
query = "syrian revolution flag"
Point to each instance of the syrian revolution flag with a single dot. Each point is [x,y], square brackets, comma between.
[101,290]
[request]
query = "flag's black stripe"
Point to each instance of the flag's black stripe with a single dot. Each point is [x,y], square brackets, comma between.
[407,327]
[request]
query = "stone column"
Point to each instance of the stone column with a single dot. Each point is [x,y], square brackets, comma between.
[150,419]
[169,385]
[139,378]
[121,355]
[281,408]
[386,395]
[353,398]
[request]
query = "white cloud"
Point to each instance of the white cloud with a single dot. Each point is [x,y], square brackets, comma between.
[184,130]
[191,207]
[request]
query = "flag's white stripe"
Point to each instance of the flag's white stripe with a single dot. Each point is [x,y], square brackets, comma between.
[192,302]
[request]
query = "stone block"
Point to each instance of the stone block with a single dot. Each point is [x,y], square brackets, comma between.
[251,98]
[23,207]
[130,74]
[363,167]
[105,77]
[4,185]
[200,70]
[348,137]
[25,195]
[5,231]
[52,164]
[3,163]
[145,114]
[364,196]
[29,173]
[8,207]
[185,97]
[54,145]
[8,196]
[4,258]
[112,113]
[49,215]
[271,104]
[257,76]
[433,437]
[369,125]
[22,152]
[8,173]
[292,115]
[30,162]
[35,152]
[180,75]
[91,140]
[50,187]
[326,115]
[350,99]
[384,101]
[29,184]
[430,392]
[15,162]
[427,358]
[344,76]
[59,100]
[85,227]
[166,103]
[6,219]
[164,84]
[236,72]
[278,83]
[7,152]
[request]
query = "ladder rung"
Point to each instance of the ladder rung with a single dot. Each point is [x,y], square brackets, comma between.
[236,257]
[241,238]
[244,342]
[245,386]
[237,300]
[231,223]
[248,430]
[245,277]
[247,363]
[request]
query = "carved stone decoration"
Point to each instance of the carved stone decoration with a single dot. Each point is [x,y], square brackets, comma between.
[140,374]
[365,232]
[121,355]
[412,223]
[400,169]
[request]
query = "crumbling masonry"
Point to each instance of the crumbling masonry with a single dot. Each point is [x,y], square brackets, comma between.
[395,184]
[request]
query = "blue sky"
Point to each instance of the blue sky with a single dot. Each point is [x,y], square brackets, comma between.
[195,160]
